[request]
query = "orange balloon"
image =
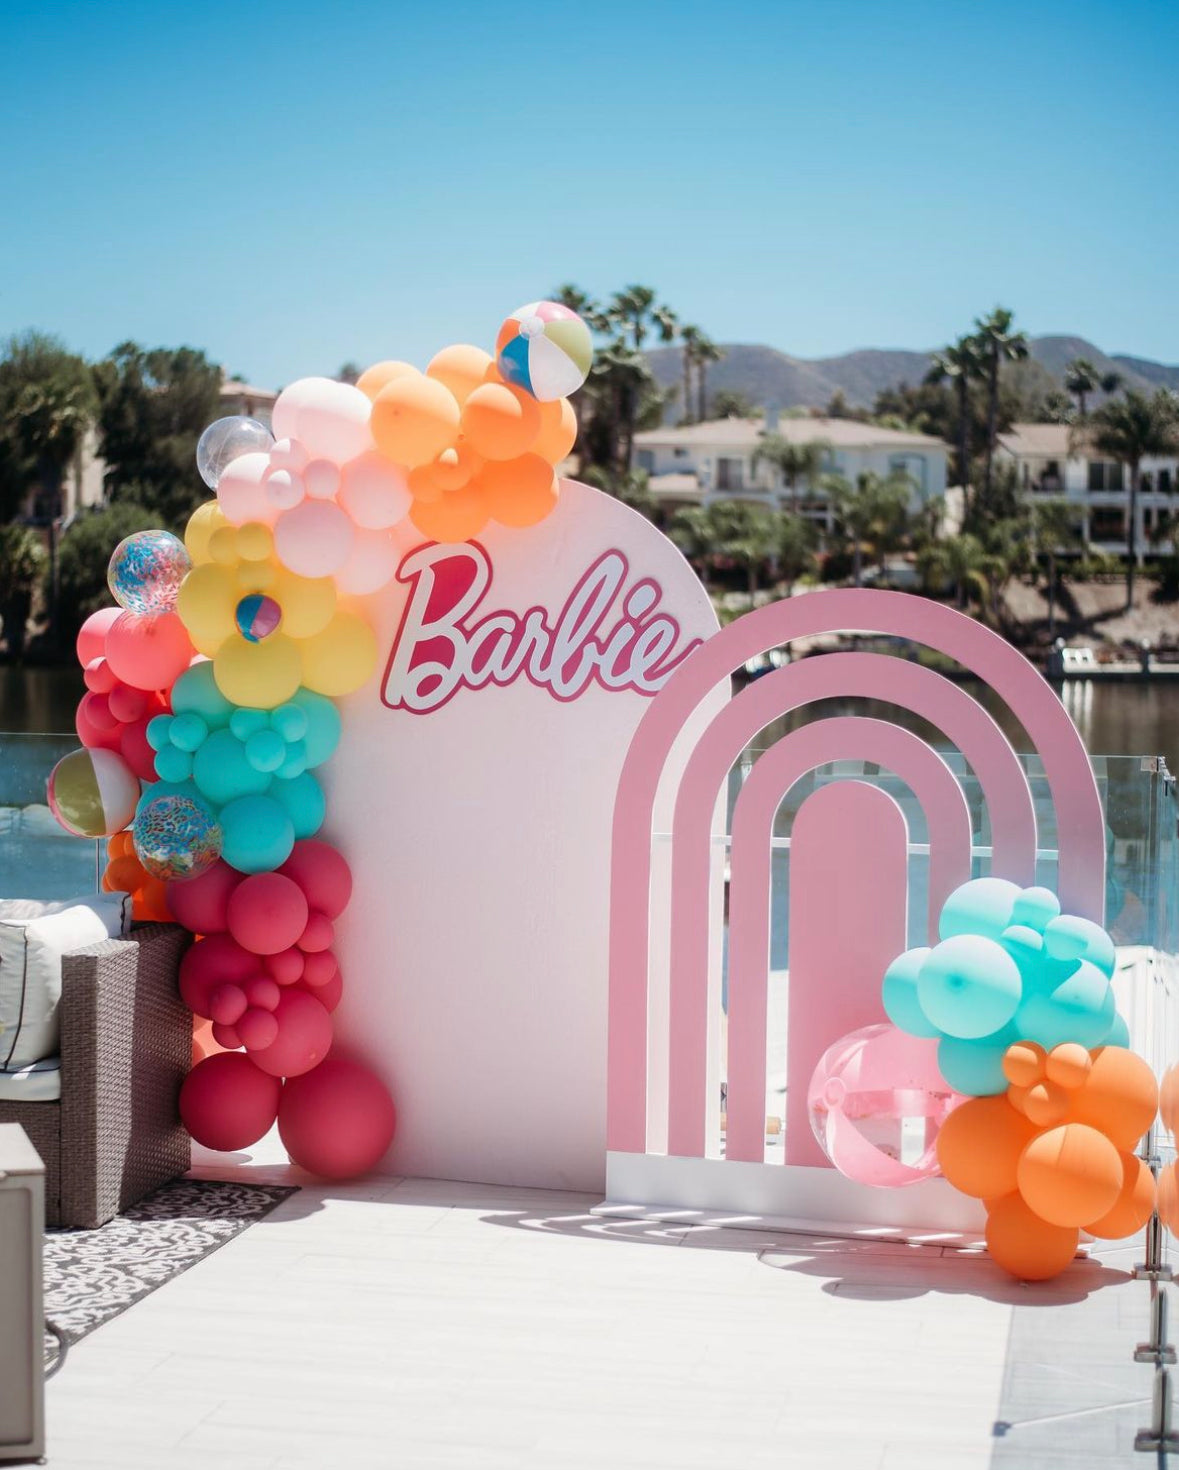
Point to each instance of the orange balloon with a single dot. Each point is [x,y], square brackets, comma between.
[123,875]
[456,467]
[1169,1099]
[1120,1096]
[1023,1063]
[1045,1104]
[422,484]
[1068,1065]
[500,421]
[121,845]
[1070,1175]
[558,431]
[456,516]
[1133,1206]
[151,902]
[414,419]
[461,368]
[979,1145]
[519,492]
[1168,1198]
[1024,1244]
[373,379]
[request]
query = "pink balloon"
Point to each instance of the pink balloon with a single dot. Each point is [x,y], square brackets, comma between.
[202,904]
[258,1029]
[288,454]
[338,1120]
[322,873]
[319,968]
[226,1103]
[285,488]
[136,751]
[242,490]
[331,419]
[227,1004]
[126,704]
[212,961]
[314,539]
[93,736]
[97,673]
[148,651]
[322,479]
[330,993]
[286,966]
[284,416]
[91,642]
[99,713]
[263,993]
[304,1036]
[371,563]
[374,492]
[318,934]
[267,912]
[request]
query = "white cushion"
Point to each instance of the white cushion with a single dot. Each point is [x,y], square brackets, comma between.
[31,947]
[38,1082]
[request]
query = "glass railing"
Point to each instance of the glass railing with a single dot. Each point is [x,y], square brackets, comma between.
[38,859]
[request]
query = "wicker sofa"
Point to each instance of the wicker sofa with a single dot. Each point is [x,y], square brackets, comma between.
[126,1045]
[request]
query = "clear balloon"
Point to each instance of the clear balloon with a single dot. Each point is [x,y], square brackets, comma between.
[176,838]
[145,571]
[226,440]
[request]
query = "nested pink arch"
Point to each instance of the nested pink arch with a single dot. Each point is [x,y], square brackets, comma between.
[1079,819]
[861,675]
[947,816]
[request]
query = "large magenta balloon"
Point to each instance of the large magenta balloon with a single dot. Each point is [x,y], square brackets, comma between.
[322,873]
[267,913]
[304,1036]
[226,1103]
[338,1120]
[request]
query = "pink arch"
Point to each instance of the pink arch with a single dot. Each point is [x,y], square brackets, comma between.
[948,818]
[863,675]
[1080,823]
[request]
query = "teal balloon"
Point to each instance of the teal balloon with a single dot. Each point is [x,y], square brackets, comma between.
[196,690]
[323,725]
[257,834]
[169,788]
[1072,938]
[982,906]
[1081,1009]
[975,1067]
[969,986]
[1035,907]
[295,761]
[290,720]
[189,731]
[266,750]
[173,764]
[1119,1032]
[899,994]
[303,801]
[222,771]
[245,722]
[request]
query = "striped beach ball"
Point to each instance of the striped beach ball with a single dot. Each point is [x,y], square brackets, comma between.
[546,349]
[92,793]
[257,616]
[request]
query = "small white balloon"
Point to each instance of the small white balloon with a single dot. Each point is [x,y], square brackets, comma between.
[226,440]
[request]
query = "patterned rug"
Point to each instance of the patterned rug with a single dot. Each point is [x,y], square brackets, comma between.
[93,1275]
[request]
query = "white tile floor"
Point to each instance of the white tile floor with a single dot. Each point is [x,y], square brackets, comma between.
[423,1324]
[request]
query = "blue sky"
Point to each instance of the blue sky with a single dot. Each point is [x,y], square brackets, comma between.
[292,185]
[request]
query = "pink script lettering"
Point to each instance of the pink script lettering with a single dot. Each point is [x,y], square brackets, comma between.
[606,633]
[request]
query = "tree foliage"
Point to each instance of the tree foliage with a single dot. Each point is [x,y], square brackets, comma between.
[86,552]
[47,402]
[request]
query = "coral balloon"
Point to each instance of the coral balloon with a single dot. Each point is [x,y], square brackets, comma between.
[558,431]
[202,904]
[1070,1175]
[500,422]
[148,651]
[303,1039]
[267,912]
[91,642]
[338,1120]
[374,492]
[1119,1096]
[460,368]
[1133,1206]
[1024,1244]
[519,492]
[980,1144]
[373,379]
[455,517]
[1169,1099]
[414,419]
[323,875]
[92,793]
[314,539]
[227,1103]
[453,469]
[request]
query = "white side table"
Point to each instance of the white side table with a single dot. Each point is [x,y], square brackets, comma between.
[22,1230]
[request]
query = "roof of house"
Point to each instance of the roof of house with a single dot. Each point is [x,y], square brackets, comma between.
[1037,441]
[674,485]
[746,434]
[231,388]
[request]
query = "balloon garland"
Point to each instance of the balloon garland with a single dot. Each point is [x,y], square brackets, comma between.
[211,688]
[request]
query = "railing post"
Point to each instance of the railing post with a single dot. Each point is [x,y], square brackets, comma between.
[1159,1435]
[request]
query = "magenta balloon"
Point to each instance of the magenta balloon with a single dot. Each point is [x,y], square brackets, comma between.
[286,966]
[211,962]
[328,992]
[304,1036]
[202,904]
[319,967]
[226,1103]
[258,1029]
[267,912]
[97,673]
[338,1120]
[91,642]
[318,934]
[135,750]
[322,873]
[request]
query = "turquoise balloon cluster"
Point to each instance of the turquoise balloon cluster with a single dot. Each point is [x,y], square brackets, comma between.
[250,767]
[1008,966]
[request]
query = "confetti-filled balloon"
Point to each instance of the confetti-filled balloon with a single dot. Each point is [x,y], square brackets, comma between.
[146,570]
[224,440]
[176,838]
[546,349]
[92,793]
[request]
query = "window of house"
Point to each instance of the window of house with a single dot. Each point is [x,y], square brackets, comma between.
[1105,474]
[1164,482]
[1108,524]
[645,460]
[680,452]
[913,465]
[729,474]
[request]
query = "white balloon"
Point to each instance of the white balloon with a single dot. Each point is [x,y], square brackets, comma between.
[284,416]
[329,419]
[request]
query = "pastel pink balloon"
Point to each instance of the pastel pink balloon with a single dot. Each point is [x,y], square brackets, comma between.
[202,904]
[374,492]
[288,454]
[91,642]
[148,650]
[242,491]
[284,417]
[285,488]
[227,1103]
[333,419]
[267,912]
[314,539]
[322,479]
[213,961]
[303,1039]
[371,563]
[338,1120]
[323,874]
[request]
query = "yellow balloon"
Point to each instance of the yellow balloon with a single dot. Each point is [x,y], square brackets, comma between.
[341,658]
[308,603]
[254,541]
[256,576]
[208,596]
[260,675]
[206,519]
[223,545]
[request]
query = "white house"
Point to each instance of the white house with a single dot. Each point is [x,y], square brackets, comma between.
[702,463]
[1048,466]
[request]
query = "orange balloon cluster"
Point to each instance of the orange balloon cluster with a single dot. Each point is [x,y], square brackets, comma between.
[126,874]
[476,447]
[1053,1155]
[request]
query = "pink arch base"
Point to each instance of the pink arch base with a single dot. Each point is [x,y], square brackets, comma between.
[810,1019]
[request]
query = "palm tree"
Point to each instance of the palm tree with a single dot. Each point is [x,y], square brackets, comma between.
[1111,382]
[634,311]
[692,529]
[689,336]
[874,512]
[21,559]
[1054,530]
[794,462]
[746,534]
[705,351]
[1128,429]
[998,344]
[798,536]
[961,561]
[1080,379]
[960,364]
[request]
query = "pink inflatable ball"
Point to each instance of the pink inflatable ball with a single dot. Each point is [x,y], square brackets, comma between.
[285,489]
[370,565]
[243,492]
[337,1121]
[304,1036]
[202,904]
[227,1103]
[267,912]
[148,651]
[215,960]
[329,419]
[227,1004]
[136,751]
[97,675]
[258,1029]
[321,479]
[322,873]
[319,968]
[314,539]
[286,967]
[375,492]
[91,642]
[288,454]
[318,935]
[877,1101]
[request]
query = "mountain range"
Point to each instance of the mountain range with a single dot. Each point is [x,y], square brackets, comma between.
[768,376]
